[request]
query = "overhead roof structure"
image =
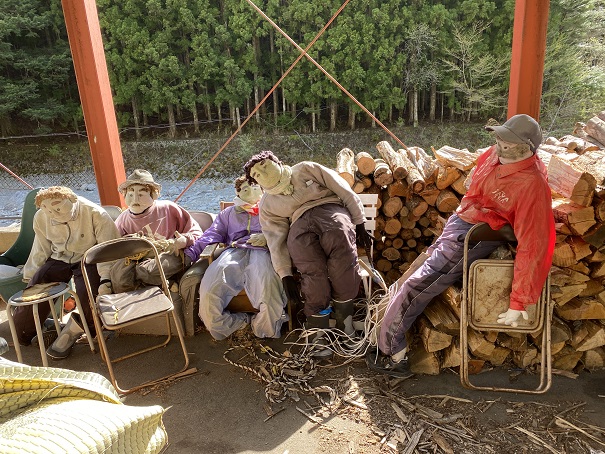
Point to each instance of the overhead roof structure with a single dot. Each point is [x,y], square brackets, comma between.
[84,33]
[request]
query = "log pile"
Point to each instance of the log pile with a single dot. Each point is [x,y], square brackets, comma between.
[418,191]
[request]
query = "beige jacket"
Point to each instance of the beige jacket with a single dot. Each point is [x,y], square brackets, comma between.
[69,241]
[314,185]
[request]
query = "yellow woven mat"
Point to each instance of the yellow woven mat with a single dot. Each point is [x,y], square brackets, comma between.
[51,410]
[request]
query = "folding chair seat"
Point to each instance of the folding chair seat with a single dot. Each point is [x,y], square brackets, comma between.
[487,285]
[115,311]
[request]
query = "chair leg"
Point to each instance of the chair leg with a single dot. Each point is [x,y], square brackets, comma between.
[84,322]
[11,323]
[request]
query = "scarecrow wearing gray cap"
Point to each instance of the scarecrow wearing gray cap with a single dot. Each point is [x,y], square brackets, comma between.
[171,228]
[508,187]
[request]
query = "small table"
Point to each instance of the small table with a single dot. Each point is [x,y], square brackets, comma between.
[54,294]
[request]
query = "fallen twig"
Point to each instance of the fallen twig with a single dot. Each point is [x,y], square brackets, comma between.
[537,439]
[273,414]
[566,425]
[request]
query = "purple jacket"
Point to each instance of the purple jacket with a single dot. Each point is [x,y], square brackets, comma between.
[232,226]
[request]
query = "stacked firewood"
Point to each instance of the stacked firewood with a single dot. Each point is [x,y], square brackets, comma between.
[418,191]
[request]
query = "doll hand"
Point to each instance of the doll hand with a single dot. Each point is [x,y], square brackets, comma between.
[511,316]
[257,239]
[291,289]
[105,289]
[179,242]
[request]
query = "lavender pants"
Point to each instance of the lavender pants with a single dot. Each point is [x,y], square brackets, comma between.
[443,268]
[322,246]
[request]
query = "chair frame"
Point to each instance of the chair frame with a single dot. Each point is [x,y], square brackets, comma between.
[109,251]
[482,232]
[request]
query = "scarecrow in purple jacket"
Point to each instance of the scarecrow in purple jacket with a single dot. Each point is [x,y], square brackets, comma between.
[245,264]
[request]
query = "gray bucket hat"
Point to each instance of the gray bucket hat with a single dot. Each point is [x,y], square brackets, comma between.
[140,176]
[519,128]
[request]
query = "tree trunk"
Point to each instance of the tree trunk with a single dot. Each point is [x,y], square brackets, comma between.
[135,117]
[351,118]
[433,106]
[171,121]
[333,114]
[415,107]
[313,123]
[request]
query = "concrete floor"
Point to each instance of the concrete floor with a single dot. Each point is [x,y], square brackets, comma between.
[220,409]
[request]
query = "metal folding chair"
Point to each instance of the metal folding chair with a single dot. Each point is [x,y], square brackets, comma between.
[119,310]
[486,291]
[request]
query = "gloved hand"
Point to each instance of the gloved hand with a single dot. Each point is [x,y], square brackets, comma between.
[105,289]
[363,239]
[257,239]
[291,288]
[511,316]
[179,242]
[187,261]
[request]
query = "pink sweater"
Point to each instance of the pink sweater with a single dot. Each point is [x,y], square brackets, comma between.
[160,221]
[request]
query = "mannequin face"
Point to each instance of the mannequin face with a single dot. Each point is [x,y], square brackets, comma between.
[267,173]
[511,152]
[138,198]
[60,210]
[250,193]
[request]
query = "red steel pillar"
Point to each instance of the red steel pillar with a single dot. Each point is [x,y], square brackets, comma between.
[90,67]
[527,63]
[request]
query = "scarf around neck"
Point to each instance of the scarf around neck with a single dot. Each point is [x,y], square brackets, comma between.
[245,206]
[284,186]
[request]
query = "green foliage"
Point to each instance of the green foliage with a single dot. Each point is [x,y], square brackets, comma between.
[184,61]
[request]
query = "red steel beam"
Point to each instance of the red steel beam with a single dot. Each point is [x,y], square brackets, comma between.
[527,62]
[88,55]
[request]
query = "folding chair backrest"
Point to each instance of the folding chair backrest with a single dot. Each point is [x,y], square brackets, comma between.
[203,218]
[370,211]
[117,249]
[113,211]
[483,232]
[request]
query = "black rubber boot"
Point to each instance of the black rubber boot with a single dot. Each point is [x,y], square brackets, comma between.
[343,314]
[319,340]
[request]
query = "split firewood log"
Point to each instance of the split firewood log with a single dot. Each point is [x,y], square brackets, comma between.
[423,362]
[365,163]
[447,202]
[577,144]
[345,165]
[594,163]
[460,185]
[397,161]
[391,206]
[578,218]
[398,188]
[594,359]
[417,205]
[566,359]
[392,226]
[571,181]
[461,159]
[451,355]
[432,339]
[424,163]
[446,175]
[582,309]
[442,318]
[430,194]
[595,127]
[391,254]
[580,131]
[383,175]
[595,336]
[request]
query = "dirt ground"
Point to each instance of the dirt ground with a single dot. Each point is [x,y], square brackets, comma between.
[346,408]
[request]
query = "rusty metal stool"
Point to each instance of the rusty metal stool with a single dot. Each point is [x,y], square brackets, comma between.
[487,285]
[56,292]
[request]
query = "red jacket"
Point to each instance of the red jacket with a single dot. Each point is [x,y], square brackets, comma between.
[517,194]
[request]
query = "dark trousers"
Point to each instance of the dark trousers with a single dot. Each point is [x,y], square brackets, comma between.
[322,246]
[443,268]
[56,271]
